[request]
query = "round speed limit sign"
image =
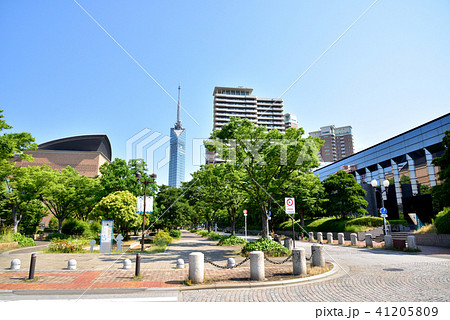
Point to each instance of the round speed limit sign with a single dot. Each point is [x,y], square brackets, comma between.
[245,212]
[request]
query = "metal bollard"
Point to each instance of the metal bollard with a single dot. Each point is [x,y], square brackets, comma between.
[299,261]
[319,237]
[257,265]
[369,242]
[32,266]
[196,267]
[231,263]
[388,242]
[317,255]
[311,236]
[340,238]
[330,237]
[353,239]
[138,265]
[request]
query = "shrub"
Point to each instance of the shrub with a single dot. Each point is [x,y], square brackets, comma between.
[365,221]
[22,240]
[215,236]
[174,233]
[269,247]
[398,222]
[442,221]
[53,223]
[162,239]
[75,227]
[57,235]
[203,233]
[67,245]
[95,227]
[231,241]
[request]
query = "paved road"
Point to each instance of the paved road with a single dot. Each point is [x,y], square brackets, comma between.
[364,275]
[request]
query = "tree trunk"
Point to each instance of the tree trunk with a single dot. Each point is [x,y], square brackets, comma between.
[15,219]
[60,222]
[265,230]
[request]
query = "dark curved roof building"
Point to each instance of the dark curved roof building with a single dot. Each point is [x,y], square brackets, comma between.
[85,153]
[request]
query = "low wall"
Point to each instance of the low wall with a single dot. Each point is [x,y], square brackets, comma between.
[433,239]
[8,245]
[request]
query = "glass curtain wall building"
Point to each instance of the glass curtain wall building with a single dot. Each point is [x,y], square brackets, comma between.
[177,151]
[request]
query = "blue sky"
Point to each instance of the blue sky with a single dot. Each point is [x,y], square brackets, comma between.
[62,75]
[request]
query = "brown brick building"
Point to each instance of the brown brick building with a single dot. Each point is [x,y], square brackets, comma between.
[84,153]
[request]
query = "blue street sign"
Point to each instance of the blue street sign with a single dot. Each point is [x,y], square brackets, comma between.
[383,210]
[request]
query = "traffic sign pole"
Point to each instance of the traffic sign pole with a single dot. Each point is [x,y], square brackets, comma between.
[245,227]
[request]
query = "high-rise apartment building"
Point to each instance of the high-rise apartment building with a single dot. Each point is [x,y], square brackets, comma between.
[177,151]
[290,121]
[338,142]
[239,102]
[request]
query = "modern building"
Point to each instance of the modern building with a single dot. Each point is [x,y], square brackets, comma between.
[177,151]
[239,102]
[290,121]
[410,153]
[85,153]
[338,142]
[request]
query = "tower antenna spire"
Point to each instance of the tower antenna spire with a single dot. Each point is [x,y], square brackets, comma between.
[178,124]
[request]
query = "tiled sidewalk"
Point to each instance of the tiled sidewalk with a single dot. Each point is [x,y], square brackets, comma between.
[157,270]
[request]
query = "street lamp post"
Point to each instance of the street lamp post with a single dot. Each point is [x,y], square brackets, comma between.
[374,184]
[145,183]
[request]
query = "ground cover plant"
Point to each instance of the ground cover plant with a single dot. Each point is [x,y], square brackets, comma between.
[269,247]
[67,245]
[232,241]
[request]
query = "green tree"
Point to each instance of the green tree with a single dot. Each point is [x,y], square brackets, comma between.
[120,176]
[172,209]
[308,192]
[267,158]
[25,185]
[442,192]
[119,206]
[344,195]
[66,193]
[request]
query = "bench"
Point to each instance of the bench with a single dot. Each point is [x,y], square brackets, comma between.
[399,239]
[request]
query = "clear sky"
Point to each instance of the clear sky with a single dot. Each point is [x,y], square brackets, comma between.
[62,75]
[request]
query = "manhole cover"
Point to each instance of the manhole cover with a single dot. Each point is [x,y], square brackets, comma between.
[393,269]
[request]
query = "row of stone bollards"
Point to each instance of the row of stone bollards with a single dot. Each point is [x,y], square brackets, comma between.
[257,269]
[388,242]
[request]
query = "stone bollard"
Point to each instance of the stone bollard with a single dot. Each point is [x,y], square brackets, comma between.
[288,243]
[353,239]
[340,238]
[330,237]
[196,267]
[319,237]
[299,261]
[15,264]
[369,242]
[180,264]
[127,264]
[257,265]
[72,264]
[311,236]
[317,255]
[411,242]
[231,263]
[388,242]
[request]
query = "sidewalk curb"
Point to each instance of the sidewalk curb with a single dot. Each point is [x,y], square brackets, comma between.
[250,285]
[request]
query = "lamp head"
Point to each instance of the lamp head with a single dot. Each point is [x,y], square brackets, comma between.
[138,175]
[374,183]
[386,183]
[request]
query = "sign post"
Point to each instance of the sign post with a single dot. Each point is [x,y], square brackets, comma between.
[383,212]
[245,216]
[106,236]
[290,209]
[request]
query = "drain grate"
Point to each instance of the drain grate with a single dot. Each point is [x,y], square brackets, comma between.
[393,269]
